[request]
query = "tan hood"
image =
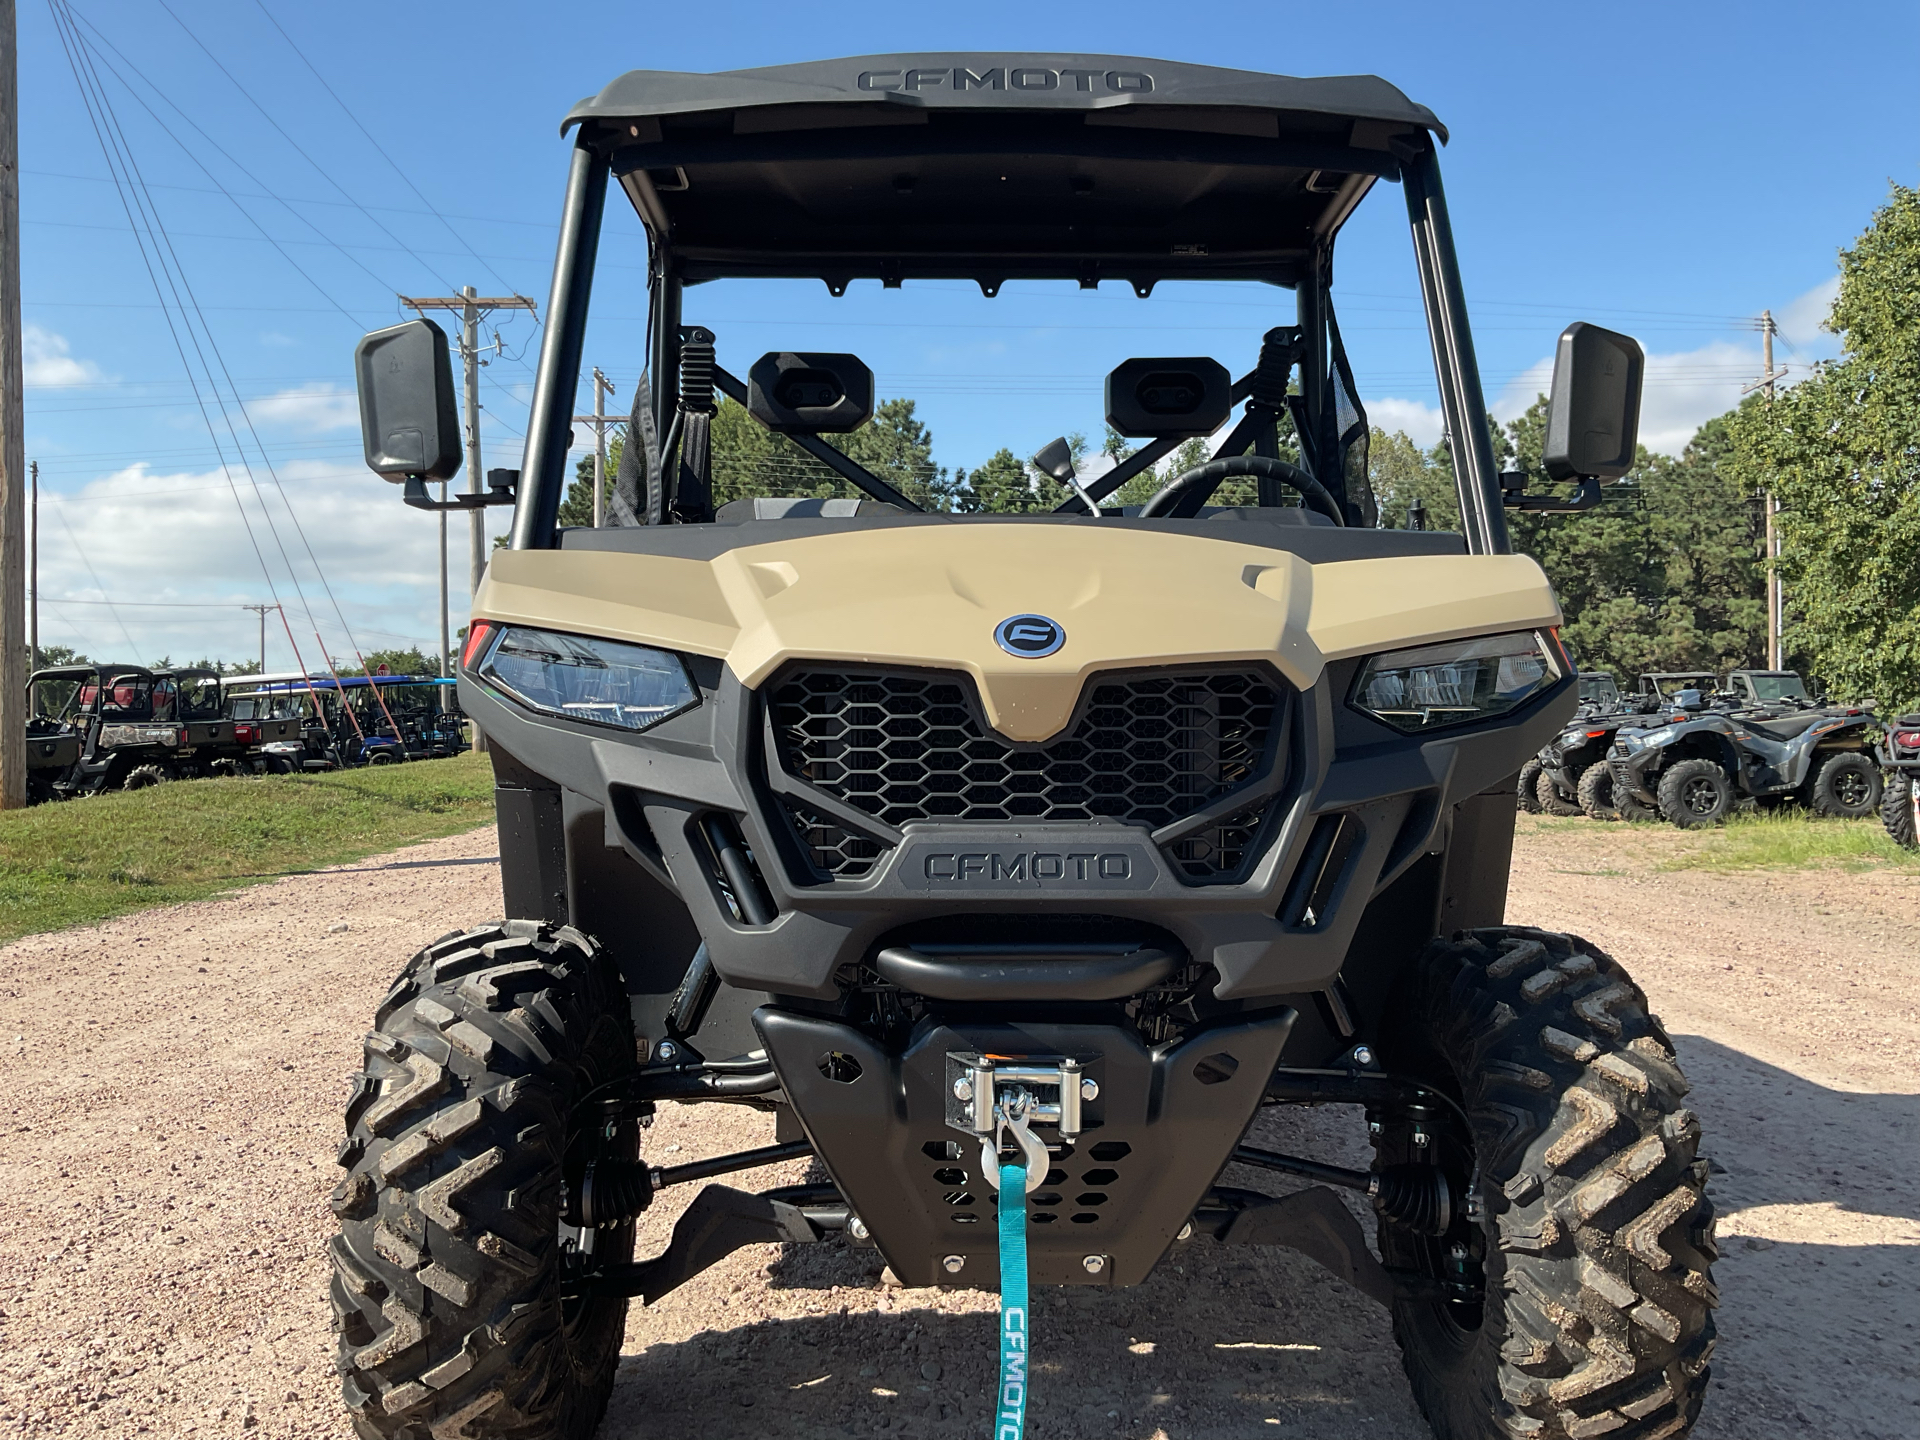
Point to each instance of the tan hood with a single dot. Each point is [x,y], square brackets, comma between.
[932,596]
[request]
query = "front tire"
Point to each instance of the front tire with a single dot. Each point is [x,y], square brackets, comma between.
[1846,786]
[1594,1308]
[1695,793]
[1529,796]
[451,1255]
[1900,809]
[142,777]
[1551,800]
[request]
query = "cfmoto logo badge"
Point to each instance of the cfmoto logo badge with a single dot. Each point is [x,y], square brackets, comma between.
[1030,637]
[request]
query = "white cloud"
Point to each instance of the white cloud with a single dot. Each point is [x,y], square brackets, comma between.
[46,360]
[1684,389]
[178,538]
[312,408]
[1423,424]
[1801,320]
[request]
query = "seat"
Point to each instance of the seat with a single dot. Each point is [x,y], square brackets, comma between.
[1786,727]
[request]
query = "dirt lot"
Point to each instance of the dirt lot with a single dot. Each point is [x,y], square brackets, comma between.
[171,1091]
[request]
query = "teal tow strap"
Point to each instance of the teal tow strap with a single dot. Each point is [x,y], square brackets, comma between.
[1010,1411]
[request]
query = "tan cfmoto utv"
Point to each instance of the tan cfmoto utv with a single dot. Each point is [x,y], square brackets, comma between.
[1014,862]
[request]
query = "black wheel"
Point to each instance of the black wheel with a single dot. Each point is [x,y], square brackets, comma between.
[451,1256]
[1846,786]
[1550,798]
[141,776]
[1900,809]
[1529,796]
[1694,793]
[1596,793]
[1580,1302]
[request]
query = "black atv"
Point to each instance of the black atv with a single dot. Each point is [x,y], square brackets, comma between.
[1900,763]
[1570,772]
[1014,862]
[1704,757]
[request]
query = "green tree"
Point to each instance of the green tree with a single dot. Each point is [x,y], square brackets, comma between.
[1841,451]
[1002,486]
[409,661]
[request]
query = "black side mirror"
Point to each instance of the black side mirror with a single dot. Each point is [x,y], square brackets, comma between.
[1593,414]
[1171,399]
[810,394]
[409,414]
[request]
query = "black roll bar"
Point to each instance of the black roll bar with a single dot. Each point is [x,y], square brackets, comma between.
[543,473]
[1482,513]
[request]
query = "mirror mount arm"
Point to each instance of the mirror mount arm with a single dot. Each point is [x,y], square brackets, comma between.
[842,465]
[501,485]
[1513,484]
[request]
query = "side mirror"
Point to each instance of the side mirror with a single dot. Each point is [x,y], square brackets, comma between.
[409,415]
[1169,399]
[810,394]
[1593,415]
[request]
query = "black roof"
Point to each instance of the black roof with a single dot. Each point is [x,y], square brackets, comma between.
[998,166]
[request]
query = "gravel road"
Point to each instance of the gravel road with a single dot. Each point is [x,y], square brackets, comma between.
[172,1081]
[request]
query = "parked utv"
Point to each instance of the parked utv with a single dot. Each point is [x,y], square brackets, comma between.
[1013,862]
[1698,762]
[107,727]
[1569,776]
[1900,762]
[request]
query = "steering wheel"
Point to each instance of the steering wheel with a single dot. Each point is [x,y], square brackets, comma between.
[1181,497]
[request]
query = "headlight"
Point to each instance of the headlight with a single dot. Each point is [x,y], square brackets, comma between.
[1456,681]
[579,677]
[1653,737]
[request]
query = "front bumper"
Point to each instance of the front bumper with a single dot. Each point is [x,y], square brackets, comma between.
[1161,1126]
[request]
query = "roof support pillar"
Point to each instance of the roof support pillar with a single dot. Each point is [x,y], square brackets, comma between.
[1482,514]
[543,470]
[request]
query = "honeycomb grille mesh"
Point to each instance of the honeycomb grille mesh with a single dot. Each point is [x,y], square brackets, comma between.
[1147,749]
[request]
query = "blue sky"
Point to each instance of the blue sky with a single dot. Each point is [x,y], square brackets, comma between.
[1666,170]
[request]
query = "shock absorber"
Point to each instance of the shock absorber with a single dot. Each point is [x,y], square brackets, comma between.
[693,486]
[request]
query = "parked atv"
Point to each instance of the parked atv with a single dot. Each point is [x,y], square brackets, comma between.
[1900,762]
[1570,772]
[1014,861]
[1699,761]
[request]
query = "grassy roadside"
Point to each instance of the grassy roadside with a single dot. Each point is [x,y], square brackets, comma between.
[88,860]
[1751,840]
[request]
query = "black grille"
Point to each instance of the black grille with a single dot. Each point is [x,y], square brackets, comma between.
[1147,749]
[842,853]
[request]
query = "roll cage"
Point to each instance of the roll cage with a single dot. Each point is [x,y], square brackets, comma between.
[997,167]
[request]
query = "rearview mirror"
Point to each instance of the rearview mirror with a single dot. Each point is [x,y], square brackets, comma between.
[409,415]
[1171,399]
[1593,414]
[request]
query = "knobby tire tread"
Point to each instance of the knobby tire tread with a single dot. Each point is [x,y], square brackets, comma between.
[1599,1233]
[447,1267]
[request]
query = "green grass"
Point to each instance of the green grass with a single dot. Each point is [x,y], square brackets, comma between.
[87,860]
[1792,840]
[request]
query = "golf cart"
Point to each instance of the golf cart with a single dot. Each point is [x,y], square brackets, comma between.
[1013,862]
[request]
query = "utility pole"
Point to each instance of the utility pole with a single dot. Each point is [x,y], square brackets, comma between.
[261,611]
[33,568]
[1776,597]
[13,455]
[602,387]
[471,306]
